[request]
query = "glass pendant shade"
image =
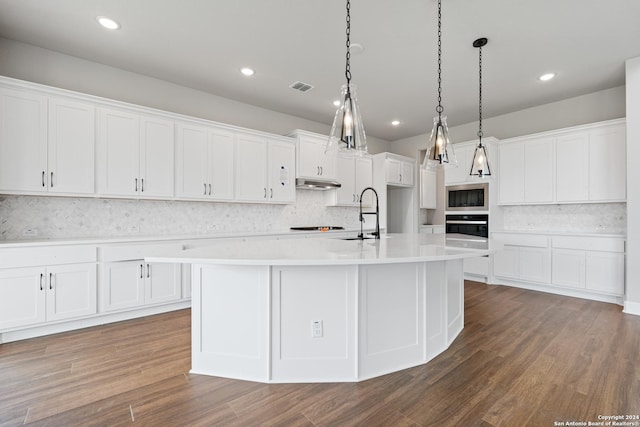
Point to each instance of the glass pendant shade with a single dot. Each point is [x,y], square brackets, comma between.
[440,151]
[480,165]
[347,132]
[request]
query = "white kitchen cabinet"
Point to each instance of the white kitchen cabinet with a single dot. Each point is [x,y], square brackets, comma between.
[312,161]
[524,258]
[34,295]
[428,189]
[23,141]
[573,165]
[354,174]
[130,284]
[264,170]
[135,155]
[205,163]
[607,166]
[399,172]
[46,144]
[591,263]
[464,154]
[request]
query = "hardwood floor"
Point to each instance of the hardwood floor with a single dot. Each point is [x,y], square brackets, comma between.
[523,359]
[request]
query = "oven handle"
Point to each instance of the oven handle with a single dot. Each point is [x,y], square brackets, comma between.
[465,222]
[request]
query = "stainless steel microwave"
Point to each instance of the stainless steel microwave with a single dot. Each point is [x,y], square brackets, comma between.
[468,197]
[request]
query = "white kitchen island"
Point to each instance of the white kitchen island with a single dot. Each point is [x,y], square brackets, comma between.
[325,309]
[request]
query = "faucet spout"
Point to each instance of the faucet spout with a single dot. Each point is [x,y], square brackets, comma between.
[376,213]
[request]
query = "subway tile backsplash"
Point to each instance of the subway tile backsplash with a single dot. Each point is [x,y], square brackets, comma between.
[32,217]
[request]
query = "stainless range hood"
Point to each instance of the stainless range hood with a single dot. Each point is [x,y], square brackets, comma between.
[316,184]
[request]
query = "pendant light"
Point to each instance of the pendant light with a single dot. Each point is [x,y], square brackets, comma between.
[440,151]
[347,133]
[480,164]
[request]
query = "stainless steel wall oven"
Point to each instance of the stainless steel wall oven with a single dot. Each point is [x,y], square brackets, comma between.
[470,224]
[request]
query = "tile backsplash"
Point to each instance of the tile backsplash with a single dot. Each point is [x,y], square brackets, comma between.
[585,218]
[32,217]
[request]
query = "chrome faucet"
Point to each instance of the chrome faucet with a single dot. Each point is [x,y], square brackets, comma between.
[376,213]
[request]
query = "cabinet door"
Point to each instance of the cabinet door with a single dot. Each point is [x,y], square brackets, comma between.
[605,272]
[506,262]
[534,264]
[118,153]
[406,177]
[71,147]
[156,157]
[607,168]
[163,283]
[71,291]
[346,194]
[122,285]
[222,148]
[511,174]
[568,267]
[394,171]
[428,189]
[23,141]
[572,168]
[251,169]
[538,171]
[192,162]
[281,167]
[363,179]
[22,297]
[464,155]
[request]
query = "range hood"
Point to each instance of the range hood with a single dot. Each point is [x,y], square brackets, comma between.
[316,184]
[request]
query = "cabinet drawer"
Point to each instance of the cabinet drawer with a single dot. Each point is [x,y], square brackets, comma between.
[114,253]
[46,255]
[532,240]
[602,244]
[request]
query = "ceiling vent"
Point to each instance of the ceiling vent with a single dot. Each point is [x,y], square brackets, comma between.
[301,86]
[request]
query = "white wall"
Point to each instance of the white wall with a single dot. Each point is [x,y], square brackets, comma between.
[632,302]
[35,64]
[594,107]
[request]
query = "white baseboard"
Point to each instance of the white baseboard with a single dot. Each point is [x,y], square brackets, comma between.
[632,307]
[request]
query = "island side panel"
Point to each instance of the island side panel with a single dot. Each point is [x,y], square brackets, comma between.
[230,321]
[390,318]
[435,308]
[304,296]
[455,299]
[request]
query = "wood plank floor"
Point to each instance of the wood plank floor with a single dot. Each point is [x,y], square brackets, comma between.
[523,359]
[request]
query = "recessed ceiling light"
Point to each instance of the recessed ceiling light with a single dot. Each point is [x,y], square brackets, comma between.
[107,22]
[547,77]
[247,71]
[395,122]
[336,103]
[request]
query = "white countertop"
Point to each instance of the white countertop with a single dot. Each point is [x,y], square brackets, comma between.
[391,248]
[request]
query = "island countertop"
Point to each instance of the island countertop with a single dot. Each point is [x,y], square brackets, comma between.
[390,248]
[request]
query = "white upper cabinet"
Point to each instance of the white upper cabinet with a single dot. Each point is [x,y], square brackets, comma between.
[354,174]
[264,170]
[23,141]
[312,162]
[46,144]
[572,167]
[428,189]
[135,154]
[204,163]
[577,165]
[399,172]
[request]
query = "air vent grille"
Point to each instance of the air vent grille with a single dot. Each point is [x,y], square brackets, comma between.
[301,86]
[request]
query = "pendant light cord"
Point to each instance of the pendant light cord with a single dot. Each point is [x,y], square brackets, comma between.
[480,95]
[347,71]
[439,108]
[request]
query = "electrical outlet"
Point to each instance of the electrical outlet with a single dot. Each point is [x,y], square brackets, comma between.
[316,329]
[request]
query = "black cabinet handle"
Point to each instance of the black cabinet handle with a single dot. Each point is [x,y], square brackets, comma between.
[43,184]
[148,271]
[51,183]
[209,189]
[41,278]
[136,185]
[142,188]
[205,189]
[50,280]
[141,271]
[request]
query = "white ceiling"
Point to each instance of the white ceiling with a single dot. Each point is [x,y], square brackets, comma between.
[202,44]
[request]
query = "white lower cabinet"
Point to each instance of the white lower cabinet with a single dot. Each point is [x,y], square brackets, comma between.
[592,264]
[128,284]
[34,295]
